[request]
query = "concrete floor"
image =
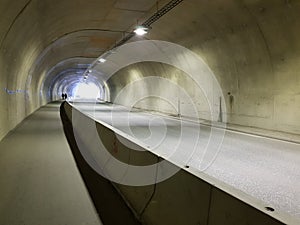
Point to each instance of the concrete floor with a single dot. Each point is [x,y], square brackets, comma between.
[266,169]
[39,180]
[40,184]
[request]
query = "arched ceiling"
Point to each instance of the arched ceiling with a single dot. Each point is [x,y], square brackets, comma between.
[37,36]
[251,46]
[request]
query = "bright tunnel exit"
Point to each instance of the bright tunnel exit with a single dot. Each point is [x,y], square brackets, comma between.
[86,91]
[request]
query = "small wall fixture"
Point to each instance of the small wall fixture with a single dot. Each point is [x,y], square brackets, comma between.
[141,30]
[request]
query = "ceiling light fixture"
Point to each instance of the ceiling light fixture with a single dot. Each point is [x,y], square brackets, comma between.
[141,30]
[102,60]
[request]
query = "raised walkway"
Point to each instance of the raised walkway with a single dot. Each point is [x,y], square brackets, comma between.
[39,181]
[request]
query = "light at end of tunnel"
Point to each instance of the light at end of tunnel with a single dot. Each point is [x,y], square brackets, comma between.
[141,30]
[86,91]
[102,60]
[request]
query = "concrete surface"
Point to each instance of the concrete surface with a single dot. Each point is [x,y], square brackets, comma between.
[263,168]
[36,36]
[39,180]
[251,46]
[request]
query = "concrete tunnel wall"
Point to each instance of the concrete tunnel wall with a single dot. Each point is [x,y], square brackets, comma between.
[36,35]
[171,91]
[251,46]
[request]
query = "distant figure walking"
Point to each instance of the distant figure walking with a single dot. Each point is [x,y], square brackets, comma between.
[64,96]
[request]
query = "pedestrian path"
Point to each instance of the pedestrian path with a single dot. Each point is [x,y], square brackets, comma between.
[39,181]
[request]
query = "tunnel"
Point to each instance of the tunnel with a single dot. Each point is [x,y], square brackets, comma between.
[182,112]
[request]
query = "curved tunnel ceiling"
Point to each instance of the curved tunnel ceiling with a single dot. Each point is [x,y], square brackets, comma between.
[35,36]
[247,44]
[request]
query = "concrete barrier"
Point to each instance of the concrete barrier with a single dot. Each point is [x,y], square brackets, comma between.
[183,199]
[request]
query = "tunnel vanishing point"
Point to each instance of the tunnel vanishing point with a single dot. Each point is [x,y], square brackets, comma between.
[182,112]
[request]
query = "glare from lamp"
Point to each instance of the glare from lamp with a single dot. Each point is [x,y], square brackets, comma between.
[140,30]
[102,60]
